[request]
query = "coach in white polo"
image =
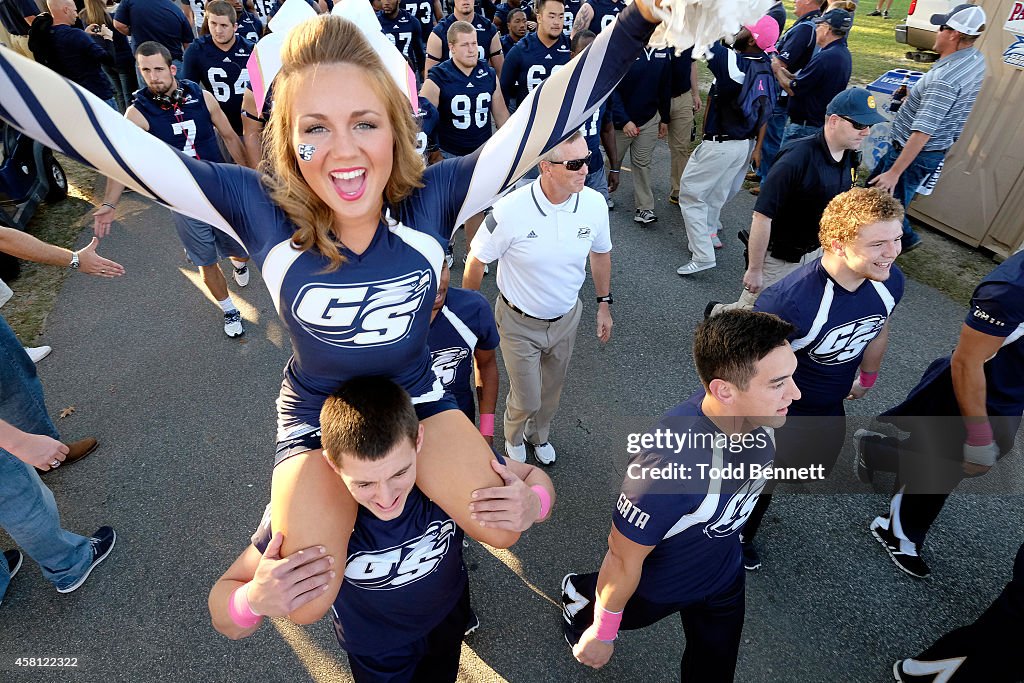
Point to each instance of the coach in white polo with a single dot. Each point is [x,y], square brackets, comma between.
[543,234]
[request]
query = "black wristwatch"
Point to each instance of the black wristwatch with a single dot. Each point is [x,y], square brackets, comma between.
[605,300]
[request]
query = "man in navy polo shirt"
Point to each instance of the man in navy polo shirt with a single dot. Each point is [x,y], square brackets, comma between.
[809,173]
[674,543]
[640,108]
[825,76]
[161,21]
[404,601]
[962,417]
[795,49]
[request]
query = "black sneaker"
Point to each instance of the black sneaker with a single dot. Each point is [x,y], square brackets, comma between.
[860,464]
[14,559]
[473,625]
[102,543]
[751,558]
[909,564]
[876,13]
[710,308]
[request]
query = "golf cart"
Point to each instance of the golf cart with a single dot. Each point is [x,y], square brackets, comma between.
[29,174]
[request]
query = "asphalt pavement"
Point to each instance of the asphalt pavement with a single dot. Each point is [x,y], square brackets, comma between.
[185,417]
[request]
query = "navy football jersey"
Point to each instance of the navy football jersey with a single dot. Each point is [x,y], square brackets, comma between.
[185,125]
[591,130]
[692,518]
[464,324]
[506,45]
[485,32]
[464,105]
[572,8]
[404,33]
[427,118]
[222,73]
[605,12]
[402,576]
[423,12]
[249,26]
[529,63]
[832,328]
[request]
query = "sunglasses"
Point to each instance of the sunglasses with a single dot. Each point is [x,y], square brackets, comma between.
[573,164]
[856,126]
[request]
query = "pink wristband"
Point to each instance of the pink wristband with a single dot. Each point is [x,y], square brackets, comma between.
[487,424]
[868,379]
[606,624]
[239,610]
[978,433]
[545,499]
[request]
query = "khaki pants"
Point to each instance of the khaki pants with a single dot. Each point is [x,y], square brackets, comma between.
[774,270]
[536,356]
[641,151]
[20,45]
[679,127]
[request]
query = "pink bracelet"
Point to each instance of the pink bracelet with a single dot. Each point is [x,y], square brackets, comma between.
[868,379]
[487,424]
[979,433]
[606,624]
[545,499]
[239,610]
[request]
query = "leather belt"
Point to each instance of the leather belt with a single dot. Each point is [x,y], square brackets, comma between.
[524,313]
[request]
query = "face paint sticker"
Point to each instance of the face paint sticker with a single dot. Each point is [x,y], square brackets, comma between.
[306,152]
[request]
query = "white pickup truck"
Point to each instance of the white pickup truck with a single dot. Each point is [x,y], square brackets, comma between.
[918,31]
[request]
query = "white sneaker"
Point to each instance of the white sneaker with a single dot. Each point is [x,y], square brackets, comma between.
[241,275]
[610,202]
[37,353]
[517,453]
[694,267]
[233,324]
[644,216]
[545,453]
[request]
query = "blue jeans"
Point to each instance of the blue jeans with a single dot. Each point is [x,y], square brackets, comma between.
[772,141]
[906,187]
[598,180]
[28,511]
[795,131]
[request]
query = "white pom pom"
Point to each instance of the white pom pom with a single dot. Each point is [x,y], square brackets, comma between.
[701,23]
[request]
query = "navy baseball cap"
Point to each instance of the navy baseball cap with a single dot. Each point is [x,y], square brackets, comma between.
[856,104]
[838,19]
[967,19]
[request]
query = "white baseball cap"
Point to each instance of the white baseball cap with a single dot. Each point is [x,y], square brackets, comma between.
[967,19]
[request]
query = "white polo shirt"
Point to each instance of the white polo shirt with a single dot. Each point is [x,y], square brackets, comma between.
[543,247]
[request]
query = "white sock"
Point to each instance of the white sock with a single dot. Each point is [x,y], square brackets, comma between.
[227,305]
[238,264]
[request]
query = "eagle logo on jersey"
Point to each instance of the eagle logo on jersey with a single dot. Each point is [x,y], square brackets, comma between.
[403,564]
[734,514]
[847,341]
[364,314]
[445,363]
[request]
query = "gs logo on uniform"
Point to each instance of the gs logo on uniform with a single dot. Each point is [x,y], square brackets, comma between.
[361,315]
[846,342]
[446,363]
[403,564]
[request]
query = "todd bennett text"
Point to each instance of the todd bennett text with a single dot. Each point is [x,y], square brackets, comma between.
[738,471]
